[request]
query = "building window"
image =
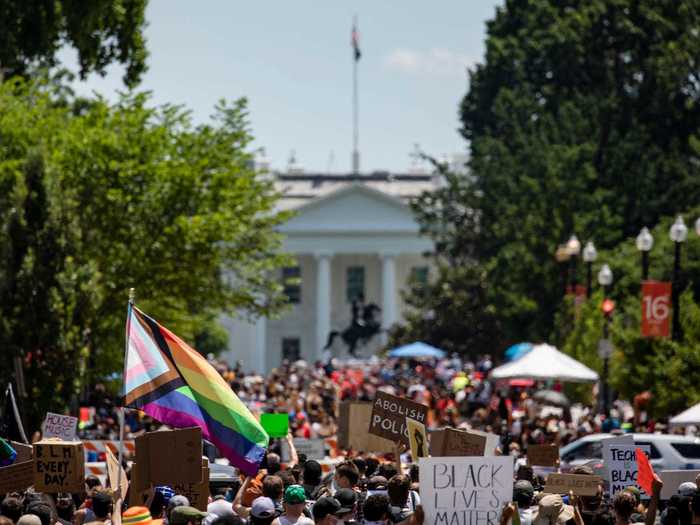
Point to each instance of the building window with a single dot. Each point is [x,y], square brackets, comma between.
[419,279]
[291,280]
[291,349]
[355,283]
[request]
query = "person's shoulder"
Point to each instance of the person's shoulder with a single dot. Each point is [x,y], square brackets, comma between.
[303,520]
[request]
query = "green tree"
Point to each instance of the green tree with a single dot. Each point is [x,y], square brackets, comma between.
[583,117]
[103,197]
[102,32]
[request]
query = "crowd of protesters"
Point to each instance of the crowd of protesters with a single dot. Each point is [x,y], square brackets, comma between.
[362,488]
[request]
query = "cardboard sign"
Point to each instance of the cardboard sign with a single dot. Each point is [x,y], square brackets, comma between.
[656,308]
[24,452]
[168,457]
[453,442]
[580,484]
[58,426]
[119,484]
[311,448]
[17,477]
[673,478]
[276,425]
[389,415]
[418,438]
[621,462]
[137,486]
[196,493]
[543,455]
[466,490]
[352,429]
[59,466]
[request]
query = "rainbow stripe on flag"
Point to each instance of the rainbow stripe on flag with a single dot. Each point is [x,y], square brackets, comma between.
[174,384]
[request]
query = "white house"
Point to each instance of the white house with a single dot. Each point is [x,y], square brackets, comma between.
[352,236]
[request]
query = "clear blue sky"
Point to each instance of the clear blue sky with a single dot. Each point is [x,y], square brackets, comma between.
[292,60]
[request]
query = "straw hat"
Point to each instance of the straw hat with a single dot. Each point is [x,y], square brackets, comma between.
[552,511]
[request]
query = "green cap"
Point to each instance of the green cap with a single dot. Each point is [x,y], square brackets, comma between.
[181,515]
[294,494]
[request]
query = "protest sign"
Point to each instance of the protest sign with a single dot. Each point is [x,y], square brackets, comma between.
[673,478]
[24,452]
[155,452]
[137,486]
[196,493]
[465,490]
[311,448]
[492,441]
[453,442]
[118,483]
[59,466]
[352,429]
[389,415]
[418,439]
[621,462]
[543,455]
[276,425]
[17,477]
[58,426]
[579,484]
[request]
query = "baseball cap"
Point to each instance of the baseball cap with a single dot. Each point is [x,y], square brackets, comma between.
[166,492]
[263,507]
[377,483]
[137,516]
[325,506]
[347,499]
[524,487]
[178,501]
[687,488]
[183,514]
[294,494]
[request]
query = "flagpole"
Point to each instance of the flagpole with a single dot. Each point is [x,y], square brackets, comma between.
[355,108]
[132,294]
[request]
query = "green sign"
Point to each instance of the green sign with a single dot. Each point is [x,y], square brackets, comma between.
[276,425]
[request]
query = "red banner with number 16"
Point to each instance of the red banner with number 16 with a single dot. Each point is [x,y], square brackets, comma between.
[656,308]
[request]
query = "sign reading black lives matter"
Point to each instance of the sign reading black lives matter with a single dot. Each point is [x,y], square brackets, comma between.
[389,415]
[468,490]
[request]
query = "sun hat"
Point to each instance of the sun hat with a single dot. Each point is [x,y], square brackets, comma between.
[294,494]
[687,488]
[263,508]
[552,510]
[136,516]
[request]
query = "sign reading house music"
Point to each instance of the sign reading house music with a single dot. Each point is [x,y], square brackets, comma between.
[389,415]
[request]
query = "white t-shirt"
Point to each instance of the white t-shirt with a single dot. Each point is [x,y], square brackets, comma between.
[302,520]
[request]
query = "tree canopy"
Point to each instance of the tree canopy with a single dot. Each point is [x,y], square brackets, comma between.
[97,198]
[101,31]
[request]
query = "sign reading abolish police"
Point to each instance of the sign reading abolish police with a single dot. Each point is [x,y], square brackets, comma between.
[389,415]
[465,490]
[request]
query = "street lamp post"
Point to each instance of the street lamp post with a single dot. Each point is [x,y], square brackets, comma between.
[605,278]
[573,247]
[644,243]
[678,234]
[589,256]
[562,257]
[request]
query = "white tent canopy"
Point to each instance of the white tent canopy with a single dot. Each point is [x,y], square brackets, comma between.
[690,416]
[546,362]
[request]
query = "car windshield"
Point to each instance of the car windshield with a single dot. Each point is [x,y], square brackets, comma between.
[687,450]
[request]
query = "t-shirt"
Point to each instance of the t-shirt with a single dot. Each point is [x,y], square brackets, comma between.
[301,520]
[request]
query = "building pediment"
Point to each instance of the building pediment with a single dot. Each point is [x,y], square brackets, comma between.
[354,209]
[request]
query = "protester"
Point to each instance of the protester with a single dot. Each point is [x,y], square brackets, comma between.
[376,510]
[186,515]
[348,506]
[294,501]
[325,511]
[262,511]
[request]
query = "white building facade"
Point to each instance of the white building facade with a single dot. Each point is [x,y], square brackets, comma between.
[352,237]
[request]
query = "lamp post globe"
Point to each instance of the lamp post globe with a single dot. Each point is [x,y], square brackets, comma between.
[590,254]
[573,247]
[697,226]
[605,276]
[678,231]
[644,243]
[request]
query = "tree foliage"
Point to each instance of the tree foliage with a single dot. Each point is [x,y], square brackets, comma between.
[582,118]
[102,31]
[97,198]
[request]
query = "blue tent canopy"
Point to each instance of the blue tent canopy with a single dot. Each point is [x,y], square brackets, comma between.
[517,351]
[417,349]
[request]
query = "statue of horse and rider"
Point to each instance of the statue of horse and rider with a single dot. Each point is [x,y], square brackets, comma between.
[363,326]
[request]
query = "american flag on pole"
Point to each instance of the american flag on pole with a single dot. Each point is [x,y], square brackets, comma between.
[355,39]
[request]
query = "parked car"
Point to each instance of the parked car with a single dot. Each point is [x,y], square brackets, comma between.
[668,451]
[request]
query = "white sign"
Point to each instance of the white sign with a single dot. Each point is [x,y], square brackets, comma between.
[466,490]
[58,426]
[621,462]
[311,448]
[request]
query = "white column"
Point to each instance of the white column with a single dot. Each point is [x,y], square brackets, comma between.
[388,289]
[261,346]
[323,300]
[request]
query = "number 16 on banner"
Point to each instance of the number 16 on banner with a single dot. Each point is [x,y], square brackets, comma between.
[656,308]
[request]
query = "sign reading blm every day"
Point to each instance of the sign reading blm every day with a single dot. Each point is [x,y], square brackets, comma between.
[389,415]
[465,490]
